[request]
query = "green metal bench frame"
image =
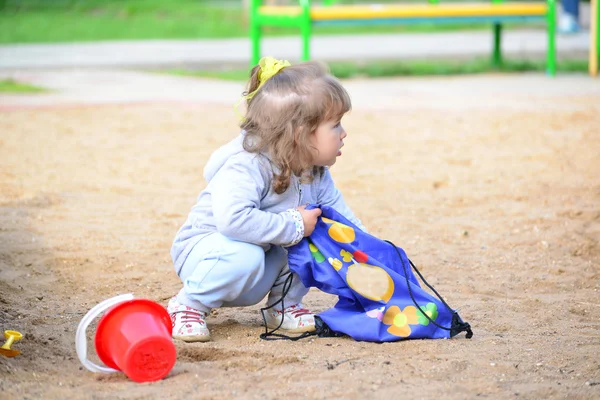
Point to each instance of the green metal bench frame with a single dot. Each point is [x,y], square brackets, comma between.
[305,16]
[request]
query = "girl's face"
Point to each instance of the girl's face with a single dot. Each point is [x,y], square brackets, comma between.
[328,141]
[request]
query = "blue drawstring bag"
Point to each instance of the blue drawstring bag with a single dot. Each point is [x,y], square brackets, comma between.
[380,299]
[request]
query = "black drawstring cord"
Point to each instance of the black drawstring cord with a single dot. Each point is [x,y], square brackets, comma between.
[271,335]
[457,324]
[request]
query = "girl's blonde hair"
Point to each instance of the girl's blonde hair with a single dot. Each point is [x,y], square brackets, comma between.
[285,111]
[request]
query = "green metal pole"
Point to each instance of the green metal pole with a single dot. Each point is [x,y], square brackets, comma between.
[255,32]
[497,55]
[597,31]
[551,51]
[305,27]
[594,56]
[497,29]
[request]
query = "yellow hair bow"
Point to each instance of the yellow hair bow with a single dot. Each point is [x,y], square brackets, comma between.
[269,66]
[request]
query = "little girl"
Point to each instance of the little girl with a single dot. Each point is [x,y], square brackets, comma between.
[231,250]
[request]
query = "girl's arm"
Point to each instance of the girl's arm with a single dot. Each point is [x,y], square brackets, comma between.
[330,196]
[237,189]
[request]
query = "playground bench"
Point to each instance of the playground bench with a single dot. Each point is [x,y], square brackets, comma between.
[306,15]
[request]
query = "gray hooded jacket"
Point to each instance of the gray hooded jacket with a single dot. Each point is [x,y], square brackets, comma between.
[239,202]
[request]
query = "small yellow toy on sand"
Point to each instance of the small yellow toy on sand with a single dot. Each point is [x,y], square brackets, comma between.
[11,337]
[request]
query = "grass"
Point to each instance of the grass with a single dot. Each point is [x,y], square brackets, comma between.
[410,68]
[38,21]
[12,86]
[113,20]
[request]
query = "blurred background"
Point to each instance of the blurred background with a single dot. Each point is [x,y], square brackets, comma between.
[210,38]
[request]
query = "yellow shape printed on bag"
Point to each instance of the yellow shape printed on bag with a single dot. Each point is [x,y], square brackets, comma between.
[335,263]
[370,281]
[339,232]
[346,255]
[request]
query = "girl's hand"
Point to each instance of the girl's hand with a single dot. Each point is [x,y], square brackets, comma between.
[309,217]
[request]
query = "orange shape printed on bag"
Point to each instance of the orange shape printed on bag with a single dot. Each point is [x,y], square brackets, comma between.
[339,232]
[370,281]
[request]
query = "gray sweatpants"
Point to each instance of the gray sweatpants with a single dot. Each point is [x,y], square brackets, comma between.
[220,272]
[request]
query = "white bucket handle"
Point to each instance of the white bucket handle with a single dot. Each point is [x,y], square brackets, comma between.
[81,337]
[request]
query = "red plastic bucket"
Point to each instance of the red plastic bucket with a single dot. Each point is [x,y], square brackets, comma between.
[135,337]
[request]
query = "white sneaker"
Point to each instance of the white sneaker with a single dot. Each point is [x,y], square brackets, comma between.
[189,324]
[567,23]
[296,319]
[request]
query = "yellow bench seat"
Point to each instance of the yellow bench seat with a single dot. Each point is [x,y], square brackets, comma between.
[375,11]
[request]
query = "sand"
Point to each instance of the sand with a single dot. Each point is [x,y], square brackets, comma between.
[491,184]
